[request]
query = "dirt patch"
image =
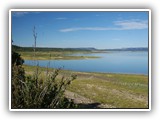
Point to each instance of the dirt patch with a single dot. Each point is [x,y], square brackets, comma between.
[84,102]
[77,98]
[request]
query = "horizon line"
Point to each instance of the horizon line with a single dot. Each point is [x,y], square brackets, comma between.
[80,47]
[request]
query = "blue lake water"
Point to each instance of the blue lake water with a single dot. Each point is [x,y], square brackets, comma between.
[113,62]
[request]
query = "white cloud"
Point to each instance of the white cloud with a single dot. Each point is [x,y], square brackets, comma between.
[132,24]
[118,25]
[83,28]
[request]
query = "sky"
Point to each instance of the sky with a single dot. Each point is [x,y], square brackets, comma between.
[101,30]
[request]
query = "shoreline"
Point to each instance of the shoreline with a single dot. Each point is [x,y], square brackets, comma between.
[65,55]
[92,72]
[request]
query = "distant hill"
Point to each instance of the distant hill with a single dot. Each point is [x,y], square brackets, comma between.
[128,49]
[18,48]
[85,48]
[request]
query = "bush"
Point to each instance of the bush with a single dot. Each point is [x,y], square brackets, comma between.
[16,58]
[18,76]
[31,92]
[48,93]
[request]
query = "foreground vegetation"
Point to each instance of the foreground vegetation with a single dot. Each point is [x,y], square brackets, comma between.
[104,90]
[34,92]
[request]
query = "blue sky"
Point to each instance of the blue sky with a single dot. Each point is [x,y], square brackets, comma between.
[81,29]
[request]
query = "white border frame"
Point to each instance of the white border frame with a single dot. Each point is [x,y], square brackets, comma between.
[95,10]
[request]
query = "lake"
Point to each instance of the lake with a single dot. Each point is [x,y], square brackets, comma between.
[126,62]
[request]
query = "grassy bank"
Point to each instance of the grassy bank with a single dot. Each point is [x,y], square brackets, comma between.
[53,55]
[104,90]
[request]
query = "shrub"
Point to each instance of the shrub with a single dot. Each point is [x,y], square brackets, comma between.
[18,76]
[33,92]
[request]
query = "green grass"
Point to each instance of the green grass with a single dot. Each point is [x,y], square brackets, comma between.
[118,95]
[113,90]
[53,55]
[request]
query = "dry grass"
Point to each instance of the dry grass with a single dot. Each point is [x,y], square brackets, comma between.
[108,90]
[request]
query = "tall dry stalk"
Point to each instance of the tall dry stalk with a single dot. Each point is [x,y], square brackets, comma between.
[36,62]
[35,40]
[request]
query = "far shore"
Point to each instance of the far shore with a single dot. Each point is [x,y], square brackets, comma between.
[56,56]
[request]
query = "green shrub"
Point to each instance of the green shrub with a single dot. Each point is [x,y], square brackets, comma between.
[33,92]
